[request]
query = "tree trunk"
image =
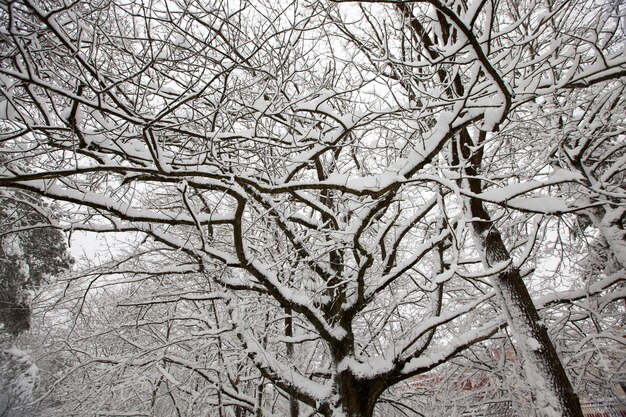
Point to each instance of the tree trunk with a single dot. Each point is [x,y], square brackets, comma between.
[294,405]
[544,372]
[357,398]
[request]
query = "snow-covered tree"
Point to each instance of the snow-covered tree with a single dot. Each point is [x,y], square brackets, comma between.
[18,377]
[31,251]
[324,200]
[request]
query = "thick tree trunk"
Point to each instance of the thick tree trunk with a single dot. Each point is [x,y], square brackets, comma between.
[544,372]
[357,399]
[354,397]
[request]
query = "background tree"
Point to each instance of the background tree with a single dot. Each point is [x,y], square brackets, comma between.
[31,252]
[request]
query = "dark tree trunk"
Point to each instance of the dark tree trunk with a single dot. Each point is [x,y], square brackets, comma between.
[358,398]
[354,396]
[294,405]
[545,373]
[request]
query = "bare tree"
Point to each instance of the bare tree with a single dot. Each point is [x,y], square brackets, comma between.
[325,174]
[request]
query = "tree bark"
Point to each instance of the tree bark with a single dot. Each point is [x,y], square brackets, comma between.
[294,405]
[545,374]
[357,398]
